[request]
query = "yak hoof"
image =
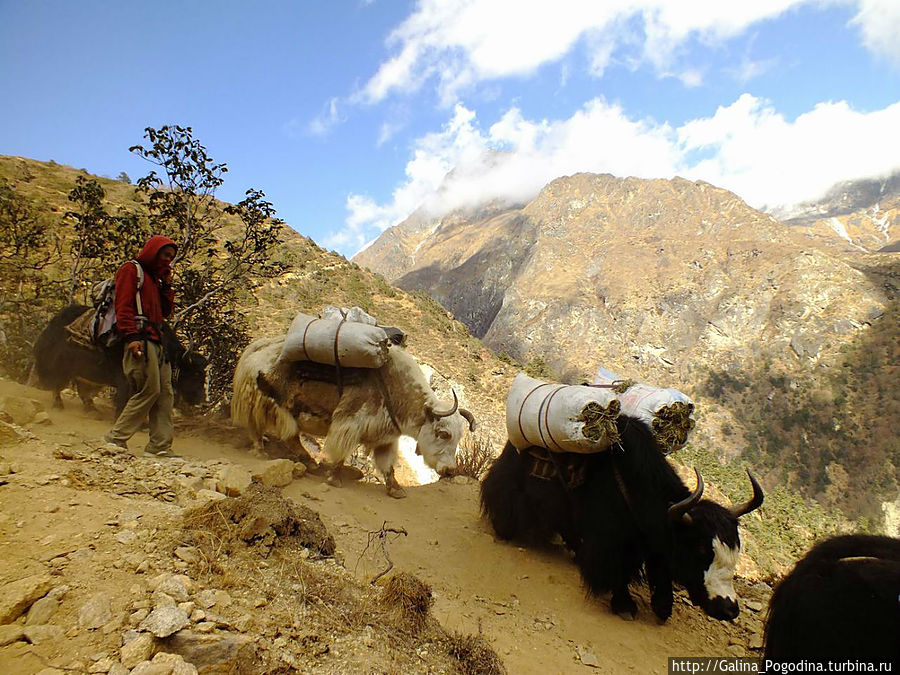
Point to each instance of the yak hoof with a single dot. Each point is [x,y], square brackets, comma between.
[396,492]
[334,479]
[662,609]
[624,606]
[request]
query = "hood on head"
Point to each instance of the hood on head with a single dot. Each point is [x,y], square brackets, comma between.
[147,256]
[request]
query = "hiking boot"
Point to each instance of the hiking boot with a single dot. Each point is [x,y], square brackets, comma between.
[161,453]
[111,441]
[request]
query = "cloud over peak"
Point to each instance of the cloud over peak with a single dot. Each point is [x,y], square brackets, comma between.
[747,147]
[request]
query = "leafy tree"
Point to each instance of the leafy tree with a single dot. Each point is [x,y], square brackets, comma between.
[221,249]
[102,241]
[181,202]
[92,231]
[123,178]
[27,250]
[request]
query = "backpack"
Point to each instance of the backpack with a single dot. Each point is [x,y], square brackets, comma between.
[103,325]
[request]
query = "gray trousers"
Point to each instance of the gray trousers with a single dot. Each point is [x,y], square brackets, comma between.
[151,380]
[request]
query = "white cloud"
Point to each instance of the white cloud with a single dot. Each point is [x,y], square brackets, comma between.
[463,42]
[747,147]
[325,121]
[771,161]
[879,21]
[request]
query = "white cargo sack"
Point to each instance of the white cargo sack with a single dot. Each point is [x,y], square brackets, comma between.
[335,342]
[668,413]
[561,417]
[357,314]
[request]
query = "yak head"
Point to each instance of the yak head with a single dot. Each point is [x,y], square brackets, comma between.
[440,435]
[192,381]
[706,548]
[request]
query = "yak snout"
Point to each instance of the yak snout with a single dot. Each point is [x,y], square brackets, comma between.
[721,608]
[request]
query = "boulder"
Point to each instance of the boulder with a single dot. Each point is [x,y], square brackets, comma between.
[275,473]
[40,634]
[9,434]
[149,668]
[179,665]
[205,495]
[43,610]
[221,652]
[163,621]
[19,410]
[18,596]
[189,554]
[10,634]
[139,649]
[233,480]
[176,586]
[96,612]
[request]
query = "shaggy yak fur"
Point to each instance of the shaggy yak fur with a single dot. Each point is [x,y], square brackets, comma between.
[841,602]
[621,511]
[58,362]
[372,407]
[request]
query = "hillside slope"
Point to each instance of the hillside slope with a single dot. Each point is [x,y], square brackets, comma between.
[108,528]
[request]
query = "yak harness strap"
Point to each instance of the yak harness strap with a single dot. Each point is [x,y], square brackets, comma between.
[337,356]
[546,464]
[387,400]
[522,407]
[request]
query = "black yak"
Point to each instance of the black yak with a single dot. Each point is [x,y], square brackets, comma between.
[621,511]
[59,362]
[840,602]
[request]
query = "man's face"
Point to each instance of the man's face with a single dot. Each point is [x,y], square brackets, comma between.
[166,255]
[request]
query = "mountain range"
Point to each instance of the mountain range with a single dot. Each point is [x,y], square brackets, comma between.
[682,284]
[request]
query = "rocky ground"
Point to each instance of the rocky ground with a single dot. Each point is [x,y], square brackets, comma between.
[112,562]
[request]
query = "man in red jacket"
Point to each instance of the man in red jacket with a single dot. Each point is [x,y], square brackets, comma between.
[144,361]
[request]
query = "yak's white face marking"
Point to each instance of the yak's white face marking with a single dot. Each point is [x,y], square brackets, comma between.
[437,442]
[719,578]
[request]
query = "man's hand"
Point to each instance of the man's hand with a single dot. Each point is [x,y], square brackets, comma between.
[137,349]
[166,275]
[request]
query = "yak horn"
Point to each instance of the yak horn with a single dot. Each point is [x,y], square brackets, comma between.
[680,510]
[445,413]
[755,501]
[470,417]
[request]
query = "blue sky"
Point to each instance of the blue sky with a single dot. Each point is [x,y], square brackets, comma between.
[350,114]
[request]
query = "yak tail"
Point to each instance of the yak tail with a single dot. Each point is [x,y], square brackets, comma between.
[513,513]
[255,409]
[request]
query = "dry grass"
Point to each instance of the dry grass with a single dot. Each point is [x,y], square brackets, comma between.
[409,598]
[474,655]
[475,456]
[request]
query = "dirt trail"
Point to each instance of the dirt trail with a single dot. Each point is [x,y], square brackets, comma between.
[530,605]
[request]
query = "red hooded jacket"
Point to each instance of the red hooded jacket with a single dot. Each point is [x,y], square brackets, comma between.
[157,297]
